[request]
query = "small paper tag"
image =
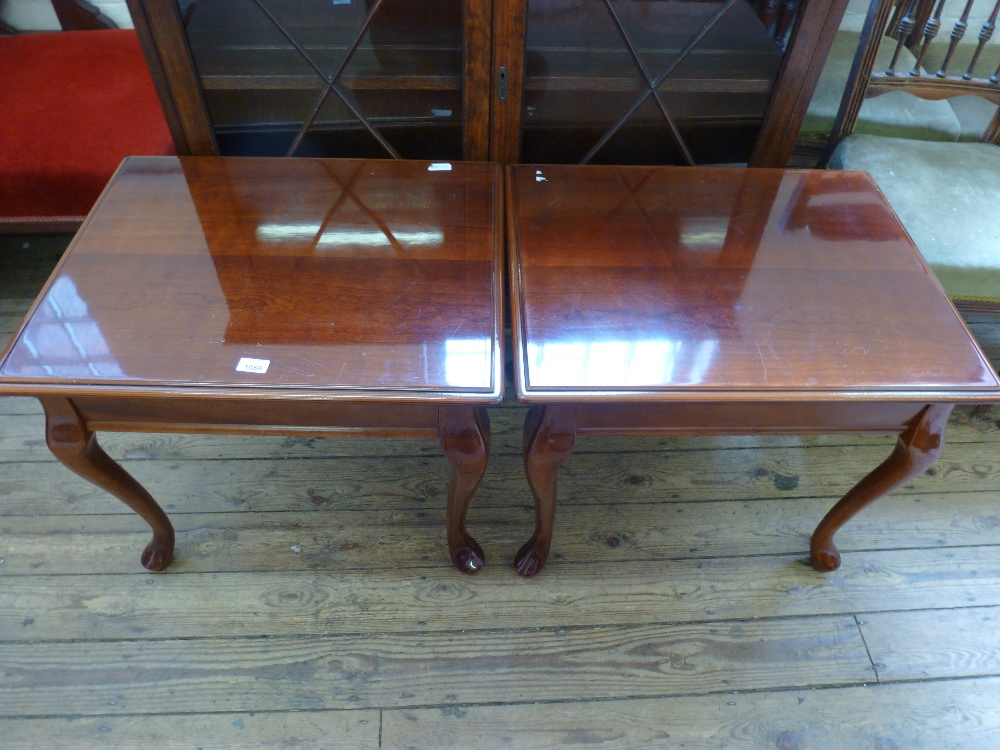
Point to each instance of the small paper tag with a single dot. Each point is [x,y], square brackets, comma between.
[246,364]
[439,166]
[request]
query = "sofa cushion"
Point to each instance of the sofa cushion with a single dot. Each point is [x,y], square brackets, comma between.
[74,104]
[896,113]
[946,195]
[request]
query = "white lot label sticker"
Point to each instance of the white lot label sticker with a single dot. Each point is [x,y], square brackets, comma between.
[252,365]
[439,166]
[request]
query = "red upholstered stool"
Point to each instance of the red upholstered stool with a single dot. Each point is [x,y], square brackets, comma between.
[74,104]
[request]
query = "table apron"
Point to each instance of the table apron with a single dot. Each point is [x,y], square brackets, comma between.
[272,417]
[724,418]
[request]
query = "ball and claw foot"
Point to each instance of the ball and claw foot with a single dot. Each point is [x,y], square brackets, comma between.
[530,560]
[467,555]
[824,558]
[158,554]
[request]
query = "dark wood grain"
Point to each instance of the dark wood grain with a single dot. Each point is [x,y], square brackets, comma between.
[478,79]
[368,290]
[808,47]
[508,50]
[160,29]
[713,301]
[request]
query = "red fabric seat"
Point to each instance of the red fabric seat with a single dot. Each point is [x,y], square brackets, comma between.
[74,104]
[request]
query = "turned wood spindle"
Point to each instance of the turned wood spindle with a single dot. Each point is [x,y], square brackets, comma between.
[984,36]
[789,10]
[956,36]
[904,30]
[931,29]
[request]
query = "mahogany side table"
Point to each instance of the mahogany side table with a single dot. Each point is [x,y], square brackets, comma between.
[273,296]
[649,301]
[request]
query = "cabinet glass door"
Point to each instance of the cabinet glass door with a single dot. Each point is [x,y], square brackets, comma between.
[648,81]
[374,78]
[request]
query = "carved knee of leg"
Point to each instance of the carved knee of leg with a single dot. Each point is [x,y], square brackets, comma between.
[63,435]
[471,468]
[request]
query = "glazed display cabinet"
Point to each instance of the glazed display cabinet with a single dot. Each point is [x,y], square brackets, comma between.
[603,81]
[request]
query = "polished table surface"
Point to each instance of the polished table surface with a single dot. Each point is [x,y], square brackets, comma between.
[671,283]
[275,296]
[343,275]
[708,301]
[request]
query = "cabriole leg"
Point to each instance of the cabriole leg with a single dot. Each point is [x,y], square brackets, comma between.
[77,449]
[549,435]
[465,440]
[916,449]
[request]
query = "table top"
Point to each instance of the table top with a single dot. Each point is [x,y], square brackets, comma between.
[295,277]
[670,283]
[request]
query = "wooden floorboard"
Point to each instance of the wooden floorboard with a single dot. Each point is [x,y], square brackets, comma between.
[388,670]
[949,715]
[934,643]
[311,603]
[302,730]
[218,605]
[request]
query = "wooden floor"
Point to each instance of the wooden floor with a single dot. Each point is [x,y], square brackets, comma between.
[311,603]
